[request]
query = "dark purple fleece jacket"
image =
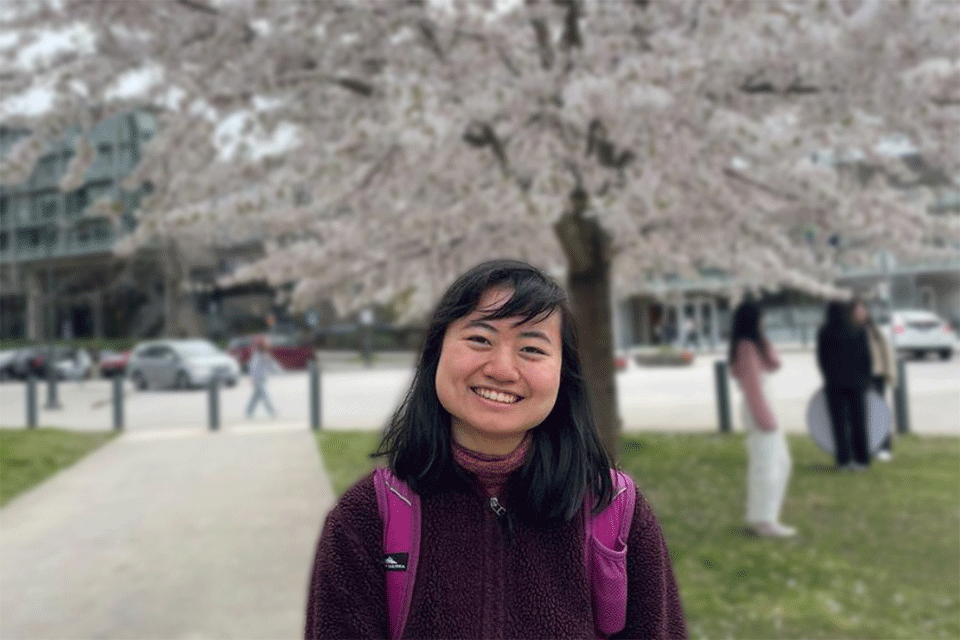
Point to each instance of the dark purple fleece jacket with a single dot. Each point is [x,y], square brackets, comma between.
[472,582]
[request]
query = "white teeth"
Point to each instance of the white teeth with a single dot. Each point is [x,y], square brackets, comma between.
[496,396]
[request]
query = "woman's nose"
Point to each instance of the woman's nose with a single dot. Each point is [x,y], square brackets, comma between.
[501,366]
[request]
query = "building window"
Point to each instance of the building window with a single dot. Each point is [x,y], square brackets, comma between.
[32,238]
[77,202]
[49,237]
[47,168]
[101,230]
[95,191]
[46,207]
[22,207]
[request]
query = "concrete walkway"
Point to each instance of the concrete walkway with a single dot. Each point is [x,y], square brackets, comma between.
[168,535]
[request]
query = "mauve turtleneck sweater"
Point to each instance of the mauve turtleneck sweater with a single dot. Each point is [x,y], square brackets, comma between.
[491,471]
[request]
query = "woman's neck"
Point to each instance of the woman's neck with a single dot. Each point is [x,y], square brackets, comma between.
[492,471]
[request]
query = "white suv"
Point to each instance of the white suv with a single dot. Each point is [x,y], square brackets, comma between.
[919,332]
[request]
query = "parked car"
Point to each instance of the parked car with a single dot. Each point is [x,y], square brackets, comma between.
[920,332]
[112,363]
[19,363]
[8,359]
[180,364]
[69,362]
[76,364]
[289,350]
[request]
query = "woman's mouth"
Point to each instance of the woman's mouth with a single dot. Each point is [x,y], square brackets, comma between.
[496,396]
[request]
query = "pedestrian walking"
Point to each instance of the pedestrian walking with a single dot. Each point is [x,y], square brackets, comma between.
[691,336]
[752,359]
[496,449]
[261,365]
[843,355]
[883,372]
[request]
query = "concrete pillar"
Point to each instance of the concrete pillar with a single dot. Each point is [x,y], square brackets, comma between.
[96,307]
[618,337]
[643,312]
[698,321]
[680,317]
[714,322]
[34,299]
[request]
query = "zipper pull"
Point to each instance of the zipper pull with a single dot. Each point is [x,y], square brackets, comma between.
[497,507]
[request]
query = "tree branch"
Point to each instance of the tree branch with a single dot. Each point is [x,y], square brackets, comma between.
[196,5]
[736,175]
[378,166]
[362,88]
[571,36]
[541,32]
[481,134]
[428,33]
[505,58]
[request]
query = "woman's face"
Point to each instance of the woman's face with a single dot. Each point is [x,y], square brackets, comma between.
[498,379]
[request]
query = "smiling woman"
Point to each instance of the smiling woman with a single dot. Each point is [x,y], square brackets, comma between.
[503,481]
[498,378]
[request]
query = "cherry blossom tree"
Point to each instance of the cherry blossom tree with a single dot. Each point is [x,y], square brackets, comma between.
[379,148]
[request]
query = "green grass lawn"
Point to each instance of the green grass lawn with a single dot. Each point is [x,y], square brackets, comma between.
[28,457]
[878,554]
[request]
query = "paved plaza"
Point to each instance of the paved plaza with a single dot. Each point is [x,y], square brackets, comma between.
[174,531]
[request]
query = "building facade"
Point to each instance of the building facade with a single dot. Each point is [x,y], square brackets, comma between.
[697,313]
[58,275]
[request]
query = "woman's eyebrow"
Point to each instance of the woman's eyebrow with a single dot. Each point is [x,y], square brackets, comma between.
[539,335]
[482,325]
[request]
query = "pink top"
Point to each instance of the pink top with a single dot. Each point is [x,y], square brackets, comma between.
[748,368]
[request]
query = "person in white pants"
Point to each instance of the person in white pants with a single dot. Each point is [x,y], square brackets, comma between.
[752,359]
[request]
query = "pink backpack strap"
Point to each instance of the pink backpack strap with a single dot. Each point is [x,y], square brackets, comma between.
[606,556]
[400,509]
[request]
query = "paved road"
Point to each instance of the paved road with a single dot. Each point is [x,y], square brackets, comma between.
[663,398]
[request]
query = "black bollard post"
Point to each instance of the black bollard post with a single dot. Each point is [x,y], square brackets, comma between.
[315,395]
[118,403]
[31,401]
[214,402]
[723,396]
[900,404]
[52,401]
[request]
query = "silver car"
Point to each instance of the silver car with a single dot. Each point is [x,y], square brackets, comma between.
[920,332]
[180,364]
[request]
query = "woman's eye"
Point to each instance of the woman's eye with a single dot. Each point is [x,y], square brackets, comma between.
[478,339]
[535,350]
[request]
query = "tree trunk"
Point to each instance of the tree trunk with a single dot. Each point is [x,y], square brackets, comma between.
[180,319]
[587,248]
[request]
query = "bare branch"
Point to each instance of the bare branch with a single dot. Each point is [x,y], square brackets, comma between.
[428,33]
[196,5]
[541,31]
[571,37]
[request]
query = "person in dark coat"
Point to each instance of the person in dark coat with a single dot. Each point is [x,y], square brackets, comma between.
[843,355]
[497,439]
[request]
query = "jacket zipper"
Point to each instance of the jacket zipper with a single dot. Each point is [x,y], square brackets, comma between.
[492,616]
